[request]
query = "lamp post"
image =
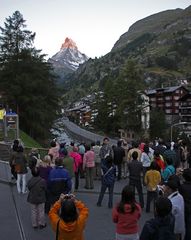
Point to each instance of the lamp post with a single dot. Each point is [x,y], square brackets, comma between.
[174,125]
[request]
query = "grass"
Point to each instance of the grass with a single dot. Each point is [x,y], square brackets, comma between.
[28,141]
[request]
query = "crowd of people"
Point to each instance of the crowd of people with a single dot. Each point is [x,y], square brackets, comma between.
[162,169]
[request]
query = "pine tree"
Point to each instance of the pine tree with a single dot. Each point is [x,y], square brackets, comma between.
[26,78]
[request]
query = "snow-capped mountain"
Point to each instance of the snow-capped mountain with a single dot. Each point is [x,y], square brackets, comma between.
[68,58]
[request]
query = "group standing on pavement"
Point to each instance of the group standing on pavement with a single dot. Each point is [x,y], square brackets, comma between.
[161,169]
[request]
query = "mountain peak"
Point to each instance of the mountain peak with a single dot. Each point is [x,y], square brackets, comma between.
[69,43]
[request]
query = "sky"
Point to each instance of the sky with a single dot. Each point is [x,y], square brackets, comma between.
[95,25]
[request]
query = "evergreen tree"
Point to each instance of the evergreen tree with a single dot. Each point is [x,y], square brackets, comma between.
[158,123]
[26,79]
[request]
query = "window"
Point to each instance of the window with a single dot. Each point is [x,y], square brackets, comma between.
[168,111]
[168,98]
[176,97]
[168,104]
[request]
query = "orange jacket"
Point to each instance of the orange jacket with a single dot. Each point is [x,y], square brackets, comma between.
[73,230]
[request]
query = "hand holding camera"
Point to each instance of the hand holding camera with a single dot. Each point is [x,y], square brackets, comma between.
[66,197]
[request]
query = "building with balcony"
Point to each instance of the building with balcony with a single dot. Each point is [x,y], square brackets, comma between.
[185,112]
[167,99]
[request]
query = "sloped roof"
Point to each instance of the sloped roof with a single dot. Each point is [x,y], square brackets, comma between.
[165,90]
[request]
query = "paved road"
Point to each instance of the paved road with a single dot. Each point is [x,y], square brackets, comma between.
[76,130]
[15,212]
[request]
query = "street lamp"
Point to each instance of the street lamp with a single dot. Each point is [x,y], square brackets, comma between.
[174,125]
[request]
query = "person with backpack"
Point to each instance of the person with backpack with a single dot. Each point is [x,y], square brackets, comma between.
[107,181]
[126,215]
[105,150]
[169,170]
[21,169]
[34,159]
[161,227]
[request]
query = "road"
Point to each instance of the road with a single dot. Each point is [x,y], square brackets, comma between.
[76,130]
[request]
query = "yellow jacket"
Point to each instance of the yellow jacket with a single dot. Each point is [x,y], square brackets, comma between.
[73,230]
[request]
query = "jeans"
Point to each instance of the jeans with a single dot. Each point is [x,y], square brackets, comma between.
[21,183]
[101,195]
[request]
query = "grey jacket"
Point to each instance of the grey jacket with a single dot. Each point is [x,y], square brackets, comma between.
[37,190]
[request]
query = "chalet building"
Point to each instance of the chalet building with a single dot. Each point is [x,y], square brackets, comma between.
[185,111]
[167,99]
[80,114]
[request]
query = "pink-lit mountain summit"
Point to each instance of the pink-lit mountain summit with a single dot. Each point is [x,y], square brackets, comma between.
[68,58]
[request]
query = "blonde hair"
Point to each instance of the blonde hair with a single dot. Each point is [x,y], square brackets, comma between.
[46,160]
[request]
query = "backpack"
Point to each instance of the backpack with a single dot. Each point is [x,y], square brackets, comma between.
[32,161]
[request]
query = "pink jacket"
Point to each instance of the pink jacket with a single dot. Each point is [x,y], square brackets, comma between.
[77,160]
[89,159]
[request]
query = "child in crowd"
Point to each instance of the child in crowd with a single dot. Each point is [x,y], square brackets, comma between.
[37,198]
[126,215]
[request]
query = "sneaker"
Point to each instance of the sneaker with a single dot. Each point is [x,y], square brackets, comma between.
[24,192]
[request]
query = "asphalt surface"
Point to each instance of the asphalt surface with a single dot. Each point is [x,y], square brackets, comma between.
[15,212]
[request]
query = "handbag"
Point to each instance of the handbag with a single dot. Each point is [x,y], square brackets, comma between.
[57,229]
[17,168]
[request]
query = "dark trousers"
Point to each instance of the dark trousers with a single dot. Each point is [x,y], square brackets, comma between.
[118,171]
[13,172]
[138,186]
[77,176]
[101,195]
[145,169]
[188,226]
[151,196]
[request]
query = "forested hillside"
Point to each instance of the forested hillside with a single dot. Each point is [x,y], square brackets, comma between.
[160,44]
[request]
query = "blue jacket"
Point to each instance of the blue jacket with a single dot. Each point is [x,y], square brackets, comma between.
[59,181]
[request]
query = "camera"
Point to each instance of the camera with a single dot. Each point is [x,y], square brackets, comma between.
[67,196]
[160,190]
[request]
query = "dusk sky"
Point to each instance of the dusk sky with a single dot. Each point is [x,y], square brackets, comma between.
[95,25]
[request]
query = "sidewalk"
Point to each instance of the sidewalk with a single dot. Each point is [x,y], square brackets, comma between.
[5,177]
